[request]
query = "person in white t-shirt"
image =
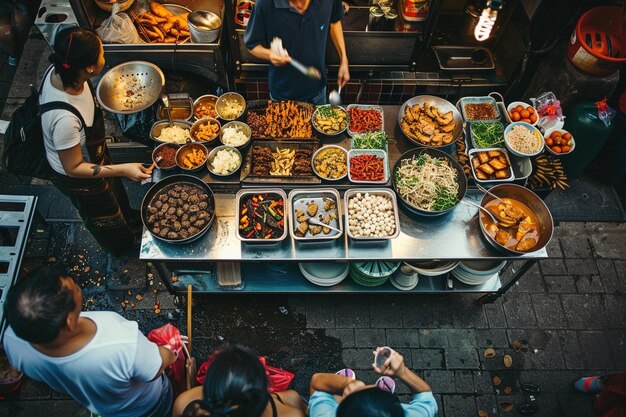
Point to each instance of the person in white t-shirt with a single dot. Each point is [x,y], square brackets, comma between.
[98,358]
[75,142]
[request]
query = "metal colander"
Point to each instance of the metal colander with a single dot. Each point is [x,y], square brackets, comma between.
[130,87]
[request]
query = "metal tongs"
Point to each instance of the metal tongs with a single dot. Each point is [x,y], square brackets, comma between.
[311,72]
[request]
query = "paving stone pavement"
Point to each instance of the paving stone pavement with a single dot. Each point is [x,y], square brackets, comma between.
[568,313]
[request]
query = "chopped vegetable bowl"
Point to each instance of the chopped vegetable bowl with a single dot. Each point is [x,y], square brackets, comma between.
[330,120]
[368,166]
[370,140]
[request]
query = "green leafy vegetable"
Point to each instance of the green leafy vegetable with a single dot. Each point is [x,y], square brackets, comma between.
[444,199]
[370,140]
[487,134]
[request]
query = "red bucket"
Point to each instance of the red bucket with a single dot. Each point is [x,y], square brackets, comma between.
[598,44]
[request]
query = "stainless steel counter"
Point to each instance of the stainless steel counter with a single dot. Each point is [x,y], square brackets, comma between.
[455,236]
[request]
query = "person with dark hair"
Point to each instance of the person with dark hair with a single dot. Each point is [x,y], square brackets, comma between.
[236,385]
[358,399]
[98,358]
[16,18]
[75,143]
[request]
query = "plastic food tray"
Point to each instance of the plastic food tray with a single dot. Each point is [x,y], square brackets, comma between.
[377,152]
[511,176]
[485,99]
[366,107]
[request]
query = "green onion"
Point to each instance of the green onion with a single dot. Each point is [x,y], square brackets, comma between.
[487,134]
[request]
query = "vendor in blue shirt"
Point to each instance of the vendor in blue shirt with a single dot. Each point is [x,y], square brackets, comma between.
[303,26]
[334,395]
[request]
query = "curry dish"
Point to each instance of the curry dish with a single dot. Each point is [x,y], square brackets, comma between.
[517,228]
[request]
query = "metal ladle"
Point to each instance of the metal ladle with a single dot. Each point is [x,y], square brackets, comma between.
[486,191]
[334,97]
[490,214]
[166,106]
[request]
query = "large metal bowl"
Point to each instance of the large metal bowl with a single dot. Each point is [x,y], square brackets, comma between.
[130,87]
[170,182]
[533,202]
[444,106]
[460,176]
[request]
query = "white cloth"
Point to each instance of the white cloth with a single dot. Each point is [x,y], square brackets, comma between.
[111,376]
[61,128]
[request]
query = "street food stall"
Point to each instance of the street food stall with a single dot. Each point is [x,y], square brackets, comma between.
[269,197]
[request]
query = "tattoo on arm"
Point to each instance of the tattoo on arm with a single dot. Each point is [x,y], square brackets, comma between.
[97,168]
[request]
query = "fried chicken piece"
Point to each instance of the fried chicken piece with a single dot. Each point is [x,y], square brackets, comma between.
[311,209]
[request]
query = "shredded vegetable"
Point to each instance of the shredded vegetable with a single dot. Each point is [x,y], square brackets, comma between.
[370,140]
[488,134]
[367,167]
[365,120]
[427,183]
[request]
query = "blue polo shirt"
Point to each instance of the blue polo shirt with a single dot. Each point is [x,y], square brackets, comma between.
[304,37]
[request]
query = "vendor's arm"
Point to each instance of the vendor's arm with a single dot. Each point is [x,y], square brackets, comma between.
[394,366]
[336,35]
[76,167]
[183,400]
[256,38]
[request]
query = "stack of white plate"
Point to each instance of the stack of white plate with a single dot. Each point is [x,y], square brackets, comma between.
[477,272]
[404,279]
[325,274]
[432,268]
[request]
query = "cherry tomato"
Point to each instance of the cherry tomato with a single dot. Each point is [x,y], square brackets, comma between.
[549,141]
[525,120]
[567,136]
[565,148]
[556,149]
[533,117]
[518,108]
[555,134]
[515,116]
[524,114]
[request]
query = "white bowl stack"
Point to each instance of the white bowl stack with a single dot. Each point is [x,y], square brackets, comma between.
[325,274]
[477,272]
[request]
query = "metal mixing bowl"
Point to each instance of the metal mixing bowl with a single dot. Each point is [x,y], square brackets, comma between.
[533,202]
[130,87]
[444,106]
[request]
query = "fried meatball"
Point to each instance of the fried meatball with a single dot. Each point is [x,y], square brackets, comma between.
[194,208]
[184,234]
[184,217]
[176,225]
[152,210]
[199,224]
[185,206]
[193,199]
[164,232]
[185,224]
[203,205]
[156,230]
[184,195]
[202,215]
[165,206]
[172,235]
[158,204]
[193,231]
[163,198]
[193,218]
[171,211]
[203,196]
[151,219]
[180,212]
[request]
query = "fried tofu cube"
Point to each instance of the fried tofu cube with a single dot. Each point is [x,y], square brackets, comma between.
[503,159]
[497,165]
[481,175]
[486,168]
[494,154]
[475,162]
[502,174]
[483,157]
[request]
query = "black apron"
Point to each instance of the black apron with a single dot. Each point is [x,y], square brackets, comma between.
[102,202]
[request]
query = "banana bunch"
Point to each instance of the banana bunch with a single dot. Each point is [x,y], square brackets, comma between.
[462,157]
[548,172]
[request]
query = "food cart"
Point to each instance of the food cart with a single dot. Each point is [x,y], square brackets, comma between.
[272,268]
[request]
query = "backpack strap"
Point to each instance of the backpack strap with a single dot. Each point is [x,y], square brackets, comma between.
[61,105]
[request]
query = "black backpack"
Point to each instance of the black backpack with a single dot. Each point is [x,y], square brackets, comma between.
[24,151]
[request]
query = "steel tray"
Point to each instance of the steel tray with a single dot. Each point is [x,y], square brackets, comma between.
[365,107]
[375,191]
[244,193]
[297,201]
[247,175]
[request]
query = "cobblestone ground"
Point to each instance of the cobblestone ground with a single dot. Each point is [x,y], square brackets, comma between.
[568,314]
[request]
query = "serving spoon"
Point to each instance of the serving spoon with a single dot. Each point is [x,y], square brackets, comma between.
[490,214]
[313,220]
[166,106]
[334,97]
[486,191]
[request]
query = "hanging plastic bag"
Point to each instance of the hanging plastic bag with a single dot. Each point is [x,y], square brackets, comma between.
[118,28]
[605,113]
[279,379]
[169,336]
